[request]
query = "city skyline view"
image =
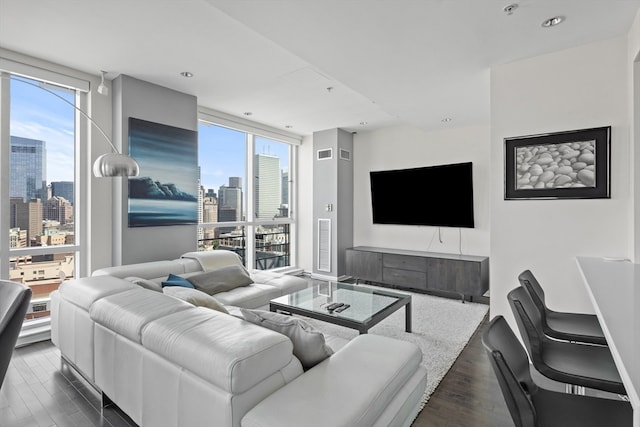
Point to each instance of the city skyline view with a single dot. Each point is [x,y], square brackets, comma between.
[37,114]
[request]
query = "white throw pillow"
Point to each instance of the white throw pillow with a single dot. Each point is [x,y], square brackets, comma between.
[309,345]
[195,297]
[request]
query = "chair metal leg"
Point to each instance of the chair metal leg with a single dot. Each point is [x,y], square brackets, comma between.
[575,389]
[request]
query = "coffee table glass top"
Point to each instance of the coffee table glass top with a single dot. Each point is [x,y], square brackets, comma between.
[364,302]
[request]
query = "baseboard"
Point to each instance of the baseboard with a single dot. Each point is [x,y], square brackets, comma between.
[34,331]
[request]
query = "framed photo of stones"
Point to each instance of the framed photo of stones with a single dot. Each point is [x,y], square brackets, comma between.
[562,165]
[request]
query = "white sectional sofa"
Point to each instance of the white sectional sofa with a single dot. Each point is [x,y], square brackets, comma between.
[166,362]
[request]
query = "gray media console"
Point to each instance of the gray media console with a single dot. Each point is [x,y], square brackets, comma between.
[464,275]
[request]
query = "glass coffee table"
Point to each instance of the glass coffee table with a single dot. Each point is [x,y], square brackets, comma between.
[367,306]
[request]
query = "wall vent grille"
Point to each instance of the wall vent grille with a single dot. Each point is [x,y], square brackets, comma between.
[324,245]
[325,154]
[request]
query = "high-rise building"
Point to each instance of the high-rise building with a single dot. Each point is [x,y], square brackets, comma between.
[63,189]
[27,169]
[230,198]
[17,238]
[267,189]
[57,209]
[26,216]
[235,182]
[285,186]
[230,203]
[210,210]
[210,214]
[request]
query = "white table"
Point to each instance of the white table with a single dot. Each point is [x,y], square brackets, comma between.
[614,289]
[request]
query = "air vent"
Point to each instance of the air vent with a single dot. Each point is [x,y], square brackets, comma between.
[325,154]
[345,154]
[324,245]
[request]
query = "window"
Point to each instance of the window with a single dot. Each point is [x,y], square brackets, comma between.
[248,213]
[38,237]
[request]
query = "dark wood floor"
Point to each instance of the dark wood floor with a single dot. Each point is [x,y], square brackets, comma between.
[469,394]
[39,392]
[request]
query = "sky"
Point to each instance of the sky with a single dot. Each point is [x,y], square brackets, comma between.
[37,114]
[222,154]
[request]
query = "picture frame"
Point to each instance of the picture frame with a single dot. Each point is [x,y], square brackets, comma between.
[166,191]
[561,165]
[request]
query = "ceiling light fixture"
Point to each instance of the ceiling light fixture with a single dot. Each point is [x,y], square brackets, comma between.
[102,88]
[508,9]
[447,120]
[288,126]
[552,22]
[363,123]
[186,74]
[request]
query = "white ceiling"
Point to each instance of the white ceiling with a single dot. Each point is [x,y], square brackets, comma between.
[387,62]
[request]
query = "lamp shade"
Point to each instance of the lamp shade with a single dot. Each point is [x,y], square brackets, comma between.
[115,164]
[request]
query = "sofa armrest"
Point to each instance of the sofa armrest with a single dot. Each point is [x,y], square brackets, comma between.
[352,388]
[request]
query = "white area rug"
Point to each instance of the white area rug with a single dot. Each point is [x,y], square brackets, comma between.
[441,328]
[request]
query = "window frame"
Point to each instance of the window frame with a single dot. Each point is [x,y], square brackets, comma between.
[252,130]
[80,87]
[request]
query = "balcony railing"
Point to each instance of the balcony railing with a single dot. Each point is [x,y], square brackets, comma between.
[272,247]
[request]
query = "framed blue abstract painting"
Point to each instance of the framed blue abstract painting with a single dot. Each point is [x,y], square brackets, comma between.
[166,191]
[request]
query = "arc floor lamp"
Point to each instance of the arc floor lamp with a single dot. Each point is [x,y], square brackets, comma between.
[108,164]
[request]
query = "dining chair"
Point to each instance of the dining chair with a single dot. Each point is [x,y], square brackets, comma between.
[14,302]
[533,406]
[576,327]
[568,362]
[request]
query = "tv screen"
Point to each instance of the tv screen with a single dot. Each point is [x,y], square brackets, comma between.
[439,196]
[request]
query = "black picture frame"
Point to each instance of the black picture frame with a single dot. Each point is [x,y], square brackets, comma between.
[561,165]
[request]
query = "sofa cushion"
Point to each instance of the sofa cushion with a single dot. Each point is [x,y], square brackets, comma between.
[150,269]
[126,313]
[85,291]
[286,283]
[213,260]
[352,388]
[221,280]
[231,353]
[309,345]
[174,280]
[255,295]
[195,297]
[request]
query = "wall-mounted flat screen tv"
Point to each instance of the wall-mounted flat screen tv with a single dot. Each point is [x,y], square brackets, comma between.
[440,196]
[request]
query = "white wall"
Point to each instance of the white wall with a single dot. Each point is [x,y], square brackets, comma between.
[304,217]
[147,101]
[633,64]
[406,147]
[577,88]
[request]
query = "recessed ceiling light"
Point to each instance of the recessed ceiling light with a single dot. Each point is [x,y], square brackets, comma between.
[552,22]
[508,9]
[288,126]
[363,123]
[247,113]
[186,74]
[446,120]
